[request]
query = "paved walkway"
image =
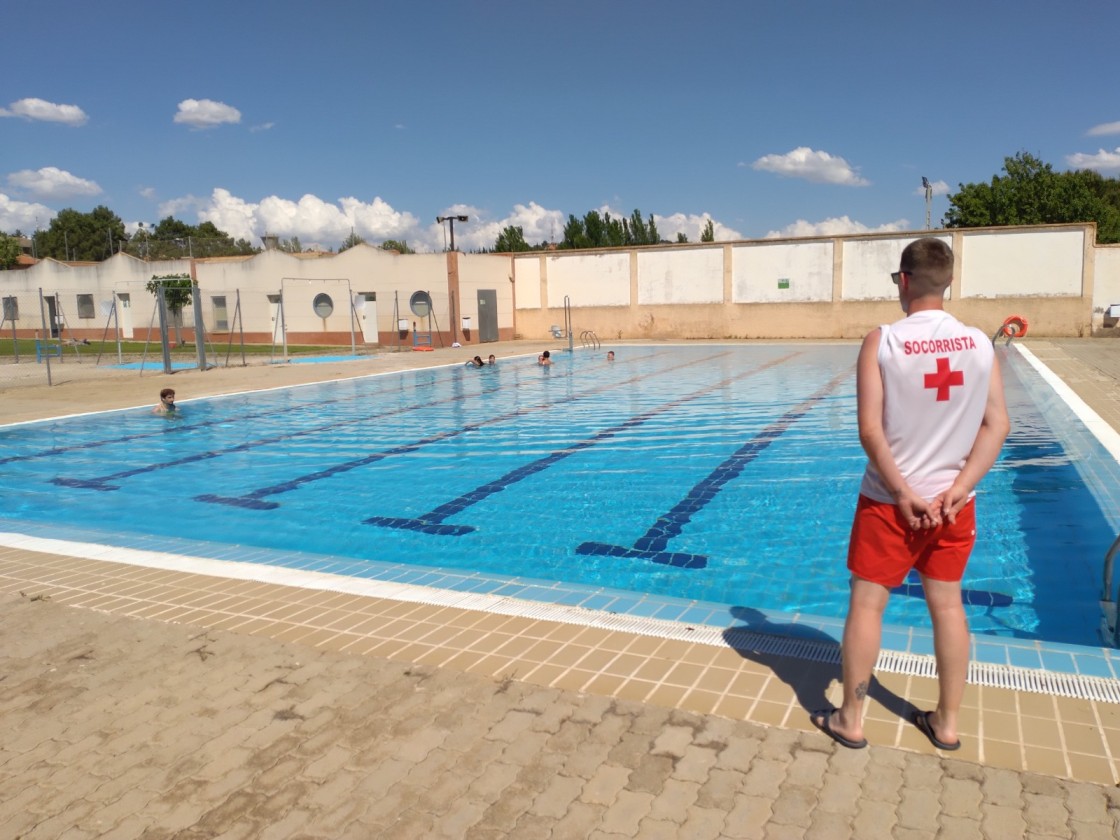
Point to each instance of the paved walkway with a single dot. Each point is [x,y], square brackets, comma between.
[122,727]
[126,728]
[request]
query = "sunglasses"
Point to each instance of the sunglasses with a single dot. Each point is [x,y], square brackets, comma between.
[896,276]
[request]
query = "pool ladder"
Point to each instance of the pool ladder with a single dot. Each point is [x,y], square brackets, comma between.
[1110,603]
[588,339]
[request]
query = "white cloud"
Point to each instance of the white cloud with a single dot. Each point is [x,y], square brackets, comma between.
[52,182]
[692,226]
[1103,129]
[147,192]
[1102,161]
[43,111]
[206,113]
[310,219]
[835,227]
[939,188]
[23,216]
[262,127]
[817,167]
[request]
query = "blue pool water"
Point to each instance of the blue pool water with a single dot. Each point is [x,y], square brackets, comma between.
[710,473]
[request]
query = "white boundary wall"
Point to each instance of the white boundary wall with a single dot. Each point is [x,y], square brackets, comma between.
[785,272]
[820,287]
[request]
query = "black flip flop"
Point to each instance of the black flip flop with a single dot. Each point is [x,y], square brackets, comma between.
[825,726]
[921,720]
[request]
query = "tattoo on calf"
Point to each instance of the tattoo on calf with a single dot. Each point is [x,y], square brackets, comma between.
[861,690]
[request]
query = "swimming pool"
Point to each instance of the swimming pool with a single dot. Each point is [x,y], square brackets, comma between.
[718,474]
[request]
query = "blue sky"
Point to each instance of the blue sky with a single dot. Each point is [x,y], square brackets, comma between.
[769,118]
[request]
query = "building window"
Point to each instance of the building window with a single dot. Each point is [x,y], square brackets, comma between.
[11,309]
[85,306]
[221,314]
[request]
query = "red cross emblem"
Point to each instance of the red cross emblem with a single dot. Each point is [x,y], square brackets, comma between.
[944,379]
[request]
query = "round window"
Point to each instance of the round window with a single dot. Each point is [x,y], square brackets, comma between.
[421,304]
[323,305]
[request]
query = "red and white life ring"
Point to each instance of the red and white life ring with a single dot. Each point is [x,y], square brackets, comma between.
[1014,327]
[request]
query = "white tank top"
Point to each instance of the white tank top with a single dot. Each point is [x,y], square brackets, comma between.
[935,374]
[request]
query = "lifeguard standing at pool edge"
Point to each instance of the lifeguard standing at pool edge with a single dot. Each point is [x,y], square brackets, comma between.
[932,420]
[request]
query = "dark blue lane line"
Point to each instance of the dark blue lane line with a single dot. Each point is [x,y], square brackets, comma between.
[433,522]
[255,500]
[651,545]
[103,482]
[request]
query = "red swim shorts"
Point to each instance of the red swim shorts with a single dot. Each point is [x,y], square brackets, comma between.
[883,548]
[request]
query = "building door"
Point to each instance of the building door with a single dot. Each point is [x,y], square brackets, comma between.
[487,315]
[52,315]
[366,305]
[274,310]
[124,314]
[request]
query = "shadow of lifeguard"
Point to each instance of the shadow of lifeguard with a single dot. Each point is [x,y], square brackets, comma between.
[804,658]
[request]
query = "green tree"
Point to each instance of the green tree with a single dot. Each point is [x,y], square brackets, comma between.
[92,236]
[9,250]
[682,237]
[602,231]
[291,246]
[511,240]
[1030,192]
[350,241]
[174,239]
[709,232]
[398,245]
[574,234]
[177,290]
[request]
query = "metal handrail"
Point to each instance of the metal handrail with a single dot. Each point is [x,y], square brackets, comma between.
[568,323]
[588,339]
[1110,605]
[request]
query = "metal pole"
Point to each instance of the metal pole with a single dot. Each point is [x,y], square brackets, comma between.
[11,310]
[241,327]
[283,322]
[451,222]
[350,295]
[43,318]
[454,316]
[162,301]
[199,327]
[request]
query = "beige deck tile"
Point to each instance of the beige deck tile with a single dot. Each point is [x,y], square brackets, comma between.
[1040,732]
[734,706]
[1092,768]
[1041,760]
[702,702]
[1075,710]
[543,674]
[769,713]
[636,690]
[607,684]
[1001,726]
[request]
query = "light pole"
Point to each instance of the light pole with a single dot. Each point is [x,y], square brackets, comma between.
[452,220]
[929,197]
